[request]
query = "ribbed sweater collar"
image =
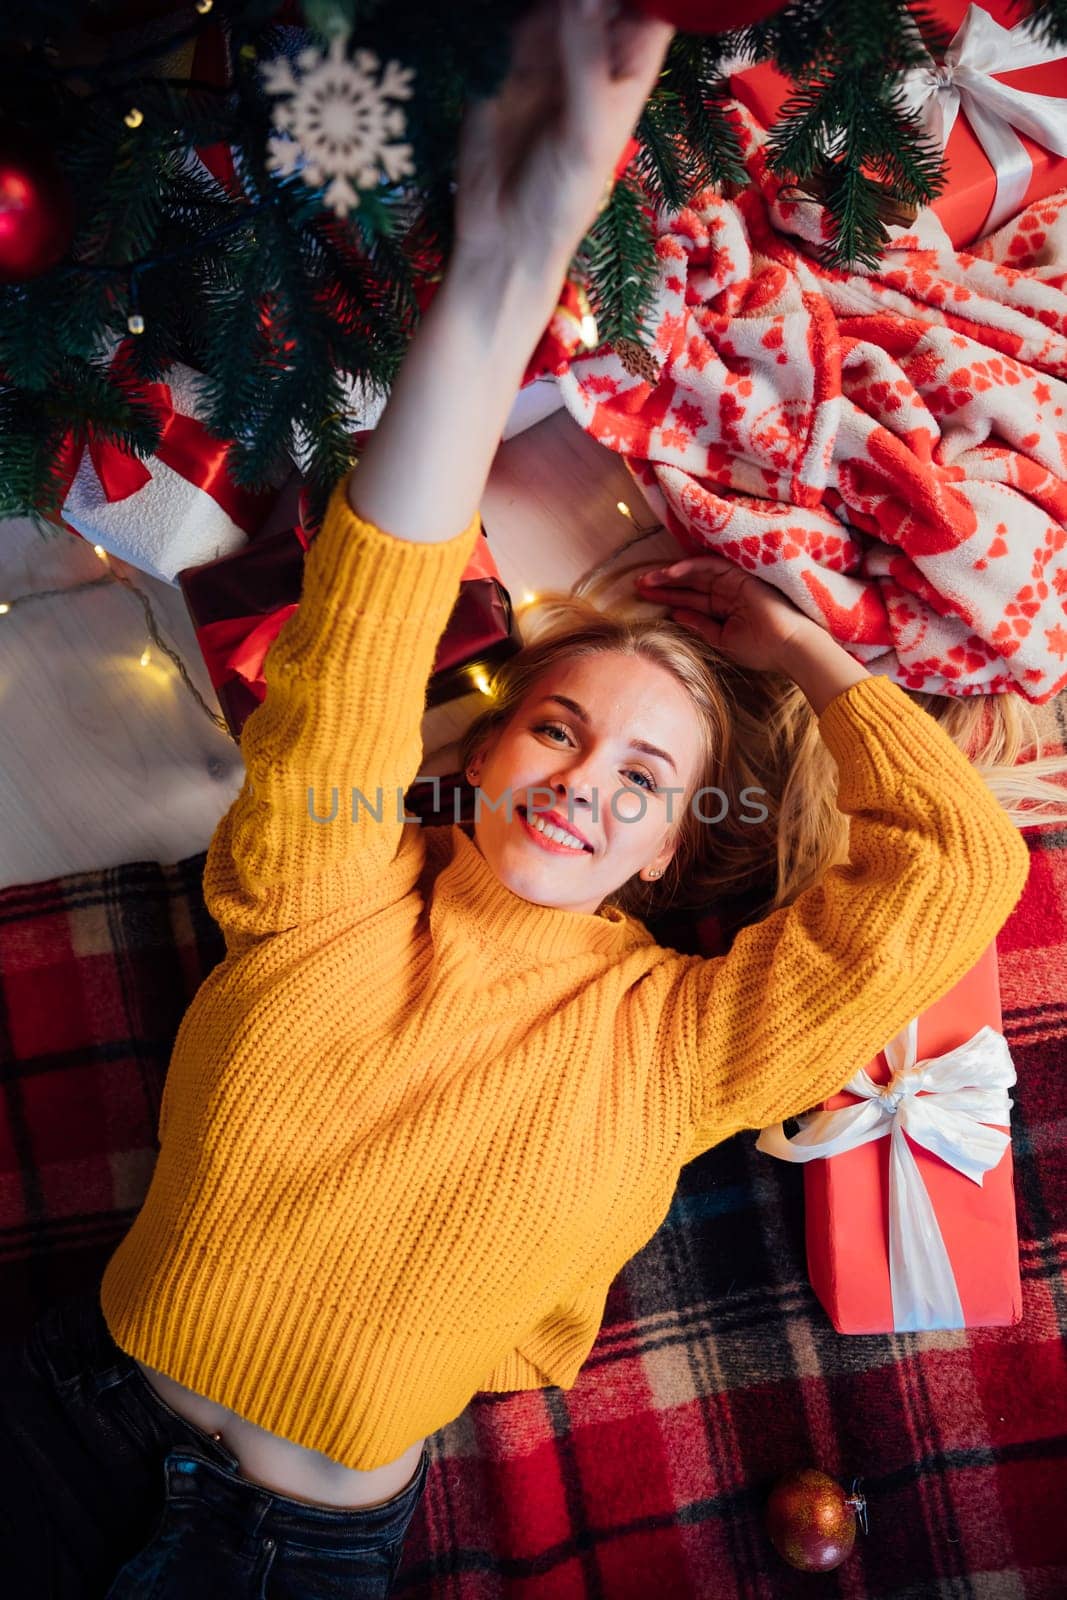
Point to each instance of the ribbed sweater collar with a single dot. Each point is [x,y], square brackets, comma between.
[468,889]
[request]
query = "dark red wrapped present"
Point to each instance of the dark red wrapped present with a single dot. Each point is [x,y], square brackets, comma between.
[239,603]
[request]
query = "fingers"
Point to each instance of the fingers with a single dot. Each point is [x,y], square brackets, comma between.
[534,39]
[638,47]
[708,561]
[707,627]
[584,57]
[609,64]
[681,580]
[671,595]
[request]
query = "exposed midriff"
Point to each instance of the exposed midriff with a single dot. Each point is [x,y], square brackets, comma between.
[280,1464]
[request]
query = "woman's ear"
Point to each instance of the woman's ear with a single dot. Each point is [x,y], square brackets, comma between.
[657,867]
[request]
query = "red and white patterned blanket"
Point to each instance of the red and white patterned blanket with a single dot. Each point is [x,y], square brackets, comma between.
[887,447]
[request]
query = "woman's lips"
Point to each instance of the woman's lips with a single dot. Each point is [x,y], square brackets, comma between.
[544,841]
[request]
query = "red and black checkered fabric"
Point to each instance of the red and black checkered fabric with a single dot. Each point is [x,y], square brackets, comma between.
[715,1370]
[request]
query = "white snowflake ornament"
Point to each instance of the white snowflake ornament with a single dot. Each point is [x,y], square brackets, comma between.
[335,117]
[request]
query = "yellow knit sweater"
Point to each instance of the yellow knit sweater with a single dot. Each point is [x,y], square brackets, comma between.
[414,1124]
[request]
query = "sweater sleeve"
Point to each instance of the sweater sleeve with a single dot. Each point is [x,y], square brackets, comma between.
[345,696]
[811,993]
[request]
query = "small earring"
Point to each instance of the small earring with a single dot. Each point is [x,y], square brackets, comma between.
[655,873]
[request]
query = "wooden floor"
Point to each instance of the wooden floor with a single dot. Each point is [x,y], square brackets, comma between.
[106,761]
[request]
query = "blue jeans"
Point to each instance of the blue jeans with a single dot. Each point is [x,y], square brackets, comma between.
[108,1494]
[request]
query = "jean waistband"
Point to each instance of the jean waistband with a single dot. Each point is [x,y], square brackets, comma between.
[78,1340]
[260,1511]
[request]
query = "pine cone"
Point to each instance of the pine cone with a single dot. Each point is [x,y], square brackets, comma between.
[637,360]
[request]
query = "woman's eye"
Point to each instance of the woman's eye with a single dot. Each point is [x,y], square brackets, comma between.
[554,727]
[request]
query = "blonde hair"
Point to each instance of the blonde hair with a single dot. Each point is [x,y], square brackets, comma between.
[758,732]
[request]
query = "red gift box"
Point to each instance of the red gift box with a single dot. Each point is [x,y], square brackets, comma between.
[964,206]
[240,602]
[847,1195]
[181,503]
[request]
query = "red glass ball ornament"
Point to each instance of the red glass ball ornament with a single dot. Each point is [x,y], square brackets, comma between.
[36,208]
[811,1521]
[710,16]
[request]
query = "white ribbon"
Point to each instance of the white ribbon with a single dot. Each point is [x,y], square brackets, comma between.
[944,1104]
[980,48]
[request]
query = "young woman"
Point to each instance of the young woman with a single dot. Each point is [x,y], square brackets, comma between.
[440,1089]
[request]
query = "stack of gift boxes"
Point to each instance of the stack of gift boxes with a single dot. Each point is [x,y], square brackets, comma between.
[239,604]
[910,1219]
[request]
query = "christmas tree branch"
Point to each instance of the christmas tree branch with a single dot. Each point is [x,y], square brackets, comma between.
[845,125]
[1049,19]
[619,266]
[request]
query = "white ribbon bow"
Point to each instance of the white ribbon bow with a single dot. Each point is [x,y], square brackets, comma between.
[944,1103]
[980,48]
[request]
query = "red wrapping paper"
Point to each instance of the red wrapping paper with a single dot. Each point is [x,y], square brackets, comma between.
[185,446]
[240,602]
[964,203]
[846,1197]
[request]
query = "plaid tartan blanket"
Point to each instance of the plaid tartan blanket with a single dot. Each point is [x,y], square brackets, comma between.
[716,1369]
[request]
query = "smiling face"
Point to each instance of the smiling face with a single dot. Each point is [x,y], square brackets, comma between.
[593,772]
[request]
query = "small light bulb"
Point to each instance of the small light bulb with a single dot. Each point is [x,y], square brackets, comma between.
[135,322]
[528,598]
[589,329]
[620,505]
[204,6]
[4,607]
[146,657]
[480,679]
[101,552]
[133,117]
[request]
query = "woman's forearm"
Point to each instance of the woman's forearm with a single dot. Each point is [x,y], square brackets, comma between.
[423,471]
[821,667]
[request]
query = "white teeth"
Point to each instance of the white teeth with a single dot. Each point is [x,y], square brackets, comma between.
[553,832]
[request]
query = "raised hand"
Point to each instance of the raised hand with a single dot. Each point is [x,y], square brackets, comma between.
[741,615]
[534,160]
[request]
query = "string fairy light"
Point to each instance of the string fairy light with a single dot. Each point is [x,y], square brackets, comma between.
[589,577]
[112,575]
[133,269]
[134,118]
